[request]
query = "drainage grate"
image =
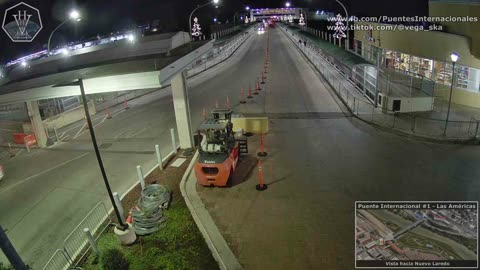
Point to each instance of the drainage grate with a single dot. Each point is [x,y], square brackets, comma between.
[105,145]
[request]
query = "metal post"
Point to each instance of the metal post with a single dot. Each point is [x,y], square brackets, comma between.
[121,223]
[10,252]
[51,35]
[140,176]
[174,143]
[476,130]
[91,240]
[118,202]
[449,100]
[159,157]
[56,134]
[26,144]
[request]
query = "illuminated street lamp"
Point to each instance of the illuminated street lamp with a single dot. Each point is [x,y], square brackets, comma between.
[287,4]
[74,16]
[454,57]
[247,8]
[191,14]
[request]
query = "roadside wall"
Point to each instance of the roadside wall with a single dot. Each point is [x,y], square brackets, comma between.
[69,117]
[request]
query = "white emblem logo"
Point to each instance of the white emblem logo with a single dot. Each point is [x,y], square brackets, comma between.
[22,22]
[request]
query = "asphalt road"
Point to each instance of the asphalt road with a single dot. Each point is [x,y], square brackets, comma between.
[320,161]
[46,193]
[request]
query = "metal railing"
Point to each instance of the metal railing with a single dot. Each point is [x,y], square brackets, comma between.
[75,245]
[59,261]
[358,105]
[220,54]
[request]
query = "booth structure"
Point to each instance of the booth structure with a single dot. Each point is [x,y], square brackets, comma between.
[394,93]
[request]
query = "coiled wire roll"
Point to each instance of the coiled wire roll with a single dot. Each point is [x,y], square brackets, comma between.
[148,215]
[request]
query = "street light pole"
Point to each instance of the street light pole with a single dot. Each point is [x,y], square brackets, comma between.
[74,15]
[122,225]
[454,57]
[190,18]
[348,30]
[51,34]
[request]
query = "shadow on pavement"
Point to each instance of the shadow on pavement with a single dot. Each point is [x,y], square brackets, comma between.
[246,164]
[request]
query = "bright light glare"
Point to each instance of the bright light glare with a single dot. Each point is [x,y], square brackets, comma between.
[24,64]
[65,51]
[247,8]
[216,1]
[215,19]
[454,56]
[287,4]
[75,15]
[131,38]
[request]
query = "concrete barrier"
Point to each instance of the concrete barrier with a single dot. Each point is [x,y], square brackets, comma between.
[68,117]
[255,125]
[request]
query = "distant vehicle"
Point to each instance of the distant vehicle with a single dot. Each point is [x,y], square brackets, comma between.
[219,153]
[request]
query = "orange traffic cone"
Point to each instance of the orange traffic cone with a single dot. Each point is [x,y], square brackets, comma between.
[129,218]
[262,152]
[10,150]
[250,91]
[242,96]
[258,85]
[109,116]
[125,103]
[261,186]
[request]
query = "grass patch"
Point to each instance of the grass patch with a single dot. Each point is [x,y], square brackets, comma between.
[178,245]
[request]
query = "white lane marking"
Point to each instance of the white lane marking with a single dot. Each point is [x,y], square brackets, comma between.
[78,133]
[81,133]
[136,133]
[40,173]
[122,132]
[121,111]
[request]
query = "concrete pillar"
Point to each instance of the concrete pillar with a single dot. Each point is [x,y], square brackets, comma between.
[330,38]
[37,124]
[182,110]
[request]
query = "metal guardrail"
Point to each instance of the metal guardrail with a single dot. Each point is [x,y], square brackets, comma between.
[218,55]
[59,261]
[407,123]
[75,245]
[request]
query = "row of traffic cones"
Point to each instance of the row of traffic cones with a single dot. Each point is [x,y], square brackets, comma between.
[261,185]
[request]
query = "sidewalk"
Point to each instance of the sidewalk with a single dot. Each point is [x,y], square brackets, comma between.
[457,112]
[426,125]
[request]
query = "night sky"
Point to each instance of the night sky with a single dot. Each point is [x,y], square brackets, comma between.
[104,16]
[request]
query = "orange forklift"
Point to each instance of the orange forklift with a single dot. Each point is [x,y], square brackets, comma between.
[219,150]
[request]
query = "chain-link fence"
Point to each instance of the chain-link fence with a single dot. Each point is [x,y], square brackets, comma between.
[354,98]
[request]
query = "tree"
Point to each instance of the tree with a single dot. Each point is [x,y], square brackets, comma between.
[339,28]
[196,30]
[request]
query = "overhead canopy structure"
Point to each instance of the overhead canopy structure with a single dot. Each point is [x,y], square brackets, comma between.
[265,13]
[42,88]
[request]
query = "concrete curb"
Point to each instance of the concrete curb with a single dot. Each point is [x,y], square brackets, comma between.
[214,239]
